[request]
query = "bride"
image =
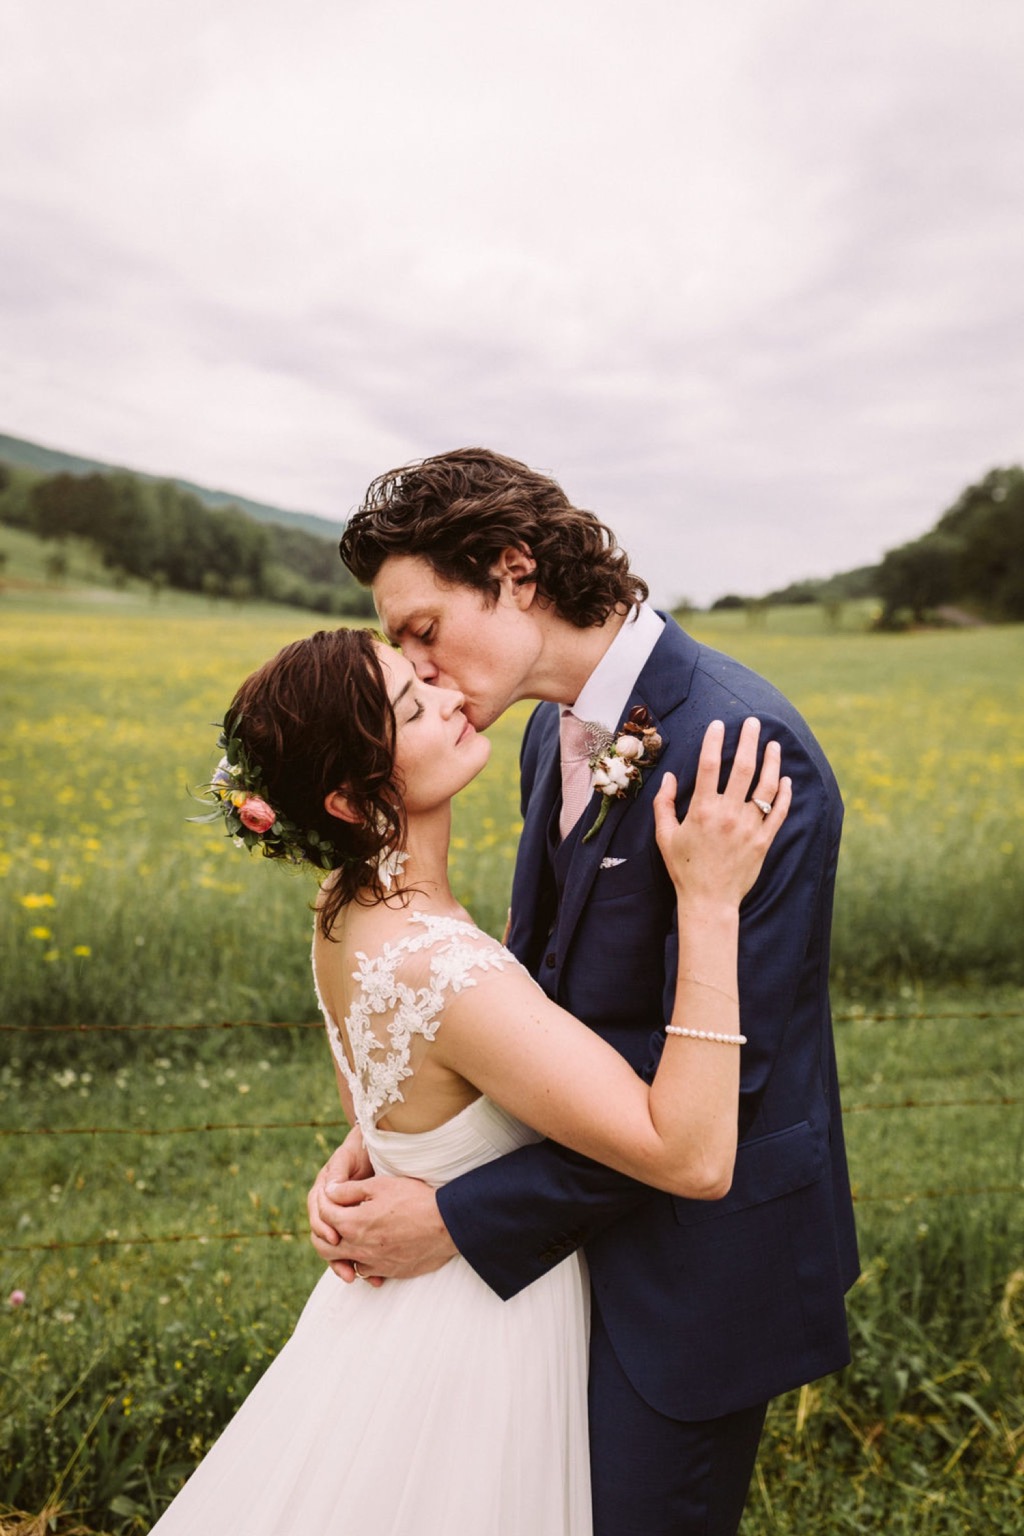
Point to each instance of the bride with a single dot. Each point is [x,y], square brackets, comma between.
[429,1407]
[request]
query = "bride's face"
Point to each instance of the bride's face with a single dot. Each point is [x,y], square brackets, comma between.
[437,750]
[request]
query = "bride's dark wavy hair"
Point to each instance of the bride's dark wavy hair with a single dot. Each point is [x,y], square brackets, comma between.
[317,718]
[461,510]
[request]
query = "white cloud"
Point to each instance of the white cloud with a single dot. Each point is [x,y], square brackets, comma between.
[745,278]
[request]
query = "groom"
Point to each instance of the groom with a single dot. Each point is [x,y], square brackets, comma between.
[492,582]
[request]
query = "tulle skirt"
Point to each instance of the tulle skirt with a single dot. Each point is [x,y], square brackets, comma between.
[427,1407]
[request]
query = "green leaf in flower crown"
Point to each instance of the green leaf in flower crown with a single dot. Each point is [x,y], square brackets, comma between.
[210,817]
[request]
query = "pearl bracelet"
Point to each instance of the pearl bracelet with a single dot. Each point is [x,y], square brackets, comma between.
[706,1034]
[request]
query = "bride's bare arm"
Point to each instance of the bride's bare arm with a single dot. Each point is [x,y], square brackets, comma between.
[512,1043]
[587,1105]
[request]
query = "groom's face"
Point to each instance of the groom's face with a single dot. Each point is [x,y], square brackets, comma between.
[455,636]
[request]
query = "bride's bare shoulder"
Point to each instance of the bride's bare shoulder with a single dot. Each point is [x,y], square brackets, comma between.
[358,927]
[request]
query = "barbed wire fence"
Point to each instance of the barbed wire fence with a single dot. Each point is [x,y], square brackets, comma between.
[857,1017]
[854,1017]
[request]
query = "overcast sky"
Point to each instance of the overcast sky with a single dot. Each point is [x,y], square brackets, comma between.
[747,276]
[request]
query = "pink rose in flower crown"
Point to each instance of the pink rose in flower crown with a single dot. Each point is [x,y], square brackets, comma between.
[256,814]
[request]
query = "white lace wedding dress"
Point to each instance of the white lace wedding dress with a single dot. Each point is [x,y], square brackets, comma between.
[426,1407]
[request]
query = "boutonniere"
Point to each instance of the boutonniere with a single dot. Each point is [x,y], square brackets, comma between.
[618,763]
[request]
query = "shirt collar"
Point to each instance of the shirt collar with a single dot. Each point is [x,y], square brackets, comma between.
[606,692]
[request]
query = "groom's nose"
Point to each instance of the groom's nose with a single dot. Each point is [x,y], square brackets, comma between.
[426,669]
[417,655]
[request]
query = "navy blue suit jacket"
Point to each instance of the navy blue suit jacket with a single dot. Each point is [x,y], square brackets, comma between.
[711,1306]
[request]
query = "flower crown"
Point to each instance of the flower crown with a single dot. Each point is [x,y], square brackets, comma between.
[240,797]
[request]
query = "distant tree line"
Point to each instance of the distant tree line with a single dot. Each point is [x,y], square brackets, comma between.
[155,531]
[844,587]
[973,558]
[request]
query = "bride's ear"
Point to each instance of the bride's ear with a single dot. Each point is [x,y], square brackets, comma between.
[516,568]
[338,804]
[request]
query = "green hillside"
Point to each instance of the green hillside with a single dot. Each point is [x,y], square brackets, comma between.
[135,528]
[51,461]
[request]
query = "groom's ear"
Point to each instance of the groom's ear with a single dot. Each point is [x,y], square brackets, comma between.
[516,569]
[337,803]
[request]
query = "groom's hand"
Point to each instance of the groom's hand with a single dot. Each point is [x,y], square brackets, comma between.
[388,1227]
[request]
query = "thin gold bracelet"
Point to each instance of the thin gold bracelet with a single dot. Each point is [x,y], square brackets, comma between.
[710,987]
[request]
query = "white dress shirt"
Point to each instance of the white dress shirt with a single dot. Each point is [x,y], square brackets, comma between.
[606,692]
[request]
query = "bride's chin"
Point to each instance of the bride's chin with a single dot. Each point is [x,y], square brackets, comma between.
[480,763]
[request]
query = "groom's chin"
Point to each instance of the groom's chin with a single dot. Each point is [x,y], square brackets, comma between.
[479,718]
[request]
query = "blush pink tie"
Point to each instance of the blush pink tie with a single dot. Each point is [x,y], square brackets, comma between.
[576,777]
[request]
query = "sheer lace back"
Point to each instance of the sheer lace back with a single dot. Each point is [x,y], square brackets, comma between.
[399,1003]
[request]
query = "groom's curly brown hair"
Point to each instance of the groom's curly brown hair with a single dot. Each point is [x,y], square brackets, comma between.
[461,510]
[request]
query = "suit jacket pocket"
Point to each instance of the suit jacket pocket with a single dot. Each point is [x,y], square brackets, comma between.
[766,1167]
[639,870]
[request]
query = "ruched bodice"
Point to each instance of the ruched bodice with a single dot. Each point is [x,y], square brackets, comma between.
[474,1136]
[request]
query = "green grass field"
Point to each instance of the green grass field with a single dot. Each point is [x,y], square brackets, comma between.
[132,1348]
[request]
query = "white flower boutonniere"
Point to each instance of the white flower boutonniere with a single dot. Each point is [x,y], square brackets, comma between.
[617,765]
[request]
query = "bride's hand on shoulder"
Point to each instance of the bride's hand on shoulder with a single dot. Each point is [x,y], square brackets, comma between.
[716,852]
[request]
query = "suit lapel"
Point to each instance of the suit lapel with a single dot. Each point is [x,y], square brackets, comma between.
[663,683]
[587,856]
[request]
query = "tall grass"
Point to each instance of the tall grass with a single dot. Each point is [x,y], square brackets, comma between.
[924,1432]
[117,909]
[925,732]
[130,1353]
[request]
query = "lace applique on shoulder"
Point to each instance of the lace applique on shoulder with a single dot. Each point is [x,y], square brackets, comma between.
[389,1012]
